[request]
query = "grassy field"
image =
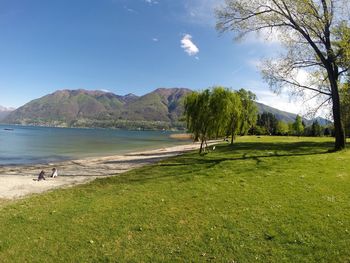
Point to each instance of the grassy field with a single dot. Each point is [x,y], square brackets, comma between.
[268,199]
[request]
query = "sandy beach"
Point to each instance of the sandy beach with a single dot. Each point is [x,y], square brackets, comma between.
[19,181]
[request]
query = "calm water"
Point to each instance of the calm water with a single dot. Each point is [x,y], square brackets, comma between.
[29,145]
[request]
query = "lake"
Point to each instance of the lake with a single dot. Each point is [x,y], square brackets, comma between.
[34,145]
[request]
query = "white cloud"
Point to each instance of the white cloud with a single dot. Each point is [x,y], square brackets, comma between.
[155,39]
[105,90]
[130,10]
[284,101]
[152,2]
[190,48]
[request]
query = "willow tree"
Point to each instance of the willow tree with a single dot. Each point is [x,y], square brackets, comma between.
[193,114]
[235,114]
[197,113]
[207,113]
[249,113]
[309,30]
[220,107]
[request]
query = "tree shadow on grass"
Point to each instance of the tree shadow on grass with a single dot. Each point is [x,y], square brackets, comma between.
[291,147]
[245,151]
[192,163]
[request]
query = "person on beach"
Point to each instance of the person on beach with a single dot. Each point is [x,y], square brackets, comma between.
[54,172]
[41,176]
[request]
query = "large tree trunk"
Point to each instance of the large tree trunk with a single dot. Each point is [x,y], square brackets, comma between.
[340,142]
[201,148]
[232,136]
[233,128]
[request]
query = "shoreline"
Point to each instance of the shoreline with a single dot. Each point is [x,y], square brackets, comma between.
[20,181]
[108,142]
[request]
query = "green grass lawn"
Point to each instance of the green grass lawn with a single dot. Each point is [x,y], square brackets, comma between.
[268,199]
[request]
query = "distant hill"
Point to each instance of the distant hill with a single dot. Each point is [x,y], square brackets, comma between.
[83,108]
[321,121]
[280,115]
[287,116]
[160,105]
[159,109]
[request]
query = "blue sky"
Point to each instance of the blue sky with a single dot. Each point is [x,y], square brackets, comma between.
[123,46]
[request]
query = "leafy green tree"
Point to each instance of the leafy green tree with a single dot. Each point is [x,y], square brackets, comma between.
[193,114]
[345,107]
[235,114]
[329,130]
[258,130]
[249,111]
[342,42]
[220,109]
[268,121]
[208,113]
[316,129]
[290,128]
[282,128]
[214,112]
[298,126]
[309,30]
[198,116]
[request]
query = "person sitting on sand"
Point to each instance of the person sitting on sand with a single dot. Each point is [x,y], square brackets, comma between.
[54,173]
[41,176]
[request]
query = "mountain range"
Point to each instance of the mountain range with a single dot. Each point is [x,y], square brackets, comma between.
[159,109]
[83,108]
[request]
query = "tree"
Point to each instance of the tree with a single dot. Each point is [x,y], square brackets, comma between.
[220,105]
[316,129]
[217,111]
[329,130]
[193,114]
[345,107]
[235,114]
[207,114]
[249,110]
[298,126]
[309,29]
[282,128]
[342,35]
[198,115]
[268,121]
[259,130]
[290,128]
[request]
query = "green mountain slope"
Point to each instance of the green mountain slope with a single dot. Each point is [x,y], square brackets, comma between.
[161,108]
[287,116]
[102,109]
[65,106]
[280,115]
[160,105]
